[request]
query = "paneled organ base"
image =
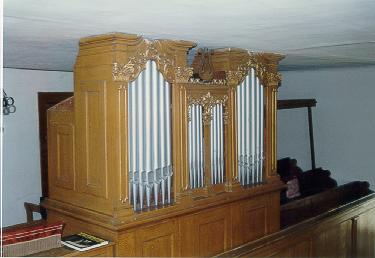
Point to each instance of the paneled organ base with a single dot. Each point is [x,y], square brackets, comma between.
[152,157]
[202,232]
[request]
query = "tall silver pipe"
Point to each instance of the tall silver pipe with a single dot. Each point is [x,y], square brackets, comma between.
[257,129]
[245,128]
[248,128]
[244,131]
[135,136]
[201,151]
[193,143]
[193,136]
[201,146]
[244,125]
[214,143]
[253,81]
[162,136]
[221,144]
[140,137]
[241,143]
[197,145]
[261,137]
[212,154]
[147,135]
[218,144]
[190,131]
[218,177]
[155,131]
[238,116]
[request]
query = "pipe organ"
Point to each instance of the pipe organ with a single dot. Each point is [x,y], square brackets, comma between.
[162,158]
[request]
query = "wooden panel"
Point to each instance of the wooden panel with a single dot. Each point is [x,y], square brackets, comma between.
[126,244]
[366,234]
[213,229]
[65,157]
[206,233]
[62,155]
[93,165]
[159,240]
[45,101]
[212,237]
[249,221]
[335,242]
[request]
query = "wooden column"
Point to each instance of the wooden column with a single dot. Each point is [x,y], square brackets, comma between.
[267,71]
[231,171]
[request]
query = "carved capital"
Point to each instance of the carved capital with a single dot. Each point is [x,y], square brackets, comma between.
[183,74]
[155,51]
[265,66]
[236,77]
[207,102]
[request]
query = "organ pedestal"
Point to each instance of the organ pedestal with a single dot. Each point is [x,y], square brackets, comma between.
[162,158]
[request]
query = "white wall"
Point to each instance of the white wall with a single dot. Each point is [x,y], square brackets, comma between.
[344,121]
[21,160]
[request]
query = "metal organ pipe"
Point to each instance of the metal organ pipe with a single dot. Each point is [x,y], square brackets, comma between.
[244,130]
[261,137]
[155,134]
[239,132]
[196,145]
[250,134]
[217,143]
[140,90]
[257,139]
[248,129]
[190,145]
[162,136]
[256,100]
[221,144]
[253,80]
[169,140]
[148,112]
[213,146]
[201,151]
[193,167]
[150,167]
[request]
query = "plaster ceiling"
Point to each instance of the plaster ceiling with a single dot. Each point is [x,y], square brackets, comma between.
[44,34]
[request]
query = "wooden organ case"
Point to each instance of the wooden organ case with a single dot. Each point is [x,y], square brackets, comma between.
[162,158]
